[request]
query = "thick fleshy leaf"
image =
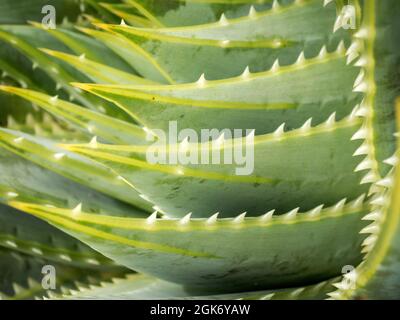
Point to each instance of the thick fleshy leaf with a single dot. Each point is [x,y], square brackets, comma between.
[189,245]
[92,49]
[22,276]
[226,48]
[130,14]
[23,179]
[27,40]
[143,287]
[299,168]
[260,101]
[140,60]
[31,236]
[94,123]
[179,13]
[99,73]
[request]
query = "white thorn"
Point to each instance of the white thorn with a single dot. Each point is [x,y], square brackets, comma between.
[358,202]
[275,67]
[212,219]
[280,131]
[322,54]
[65,257]
[223,20]
[240,218]
[362,87]
[82,57]
[373,228]
[373,216]
[123,23]
[77,210]
[34,65]
[392,161]
[362,150]
[351,57]
[12,194]
[359,78]
[152,218]
[331,120]
[23,84]
[37,251]
[334,295]
[59,156]
[341,49]
[252,12]
[374,189]
[93,261]
[297,292]
[370,240]
[246,73]
[301,59]
[291,214]
[19,140]
[267,296]
[93,142]
[316,211]
[366,250]
[306,126]
[185,219]
[355,47]
[361,34]
[386,182]
[275,5]
[339,206]
[225,43]
[370,177]
[11,244]
[366,164]
[338,23]
[362,110]
[343,285]
[361,134]
[53,100]
[379,201]
[202,80]
[144,197]
[361,62]
[267,216]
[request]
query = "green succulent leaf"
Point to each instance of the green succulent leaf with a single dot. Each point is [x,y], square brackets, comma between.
[260,101]
[226,48]
[31,236]
[150,244]
[39,185]
[277,182]
[91,122]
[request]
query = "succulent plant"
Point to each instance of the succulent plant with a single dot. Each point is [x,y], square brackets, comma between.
[83,103]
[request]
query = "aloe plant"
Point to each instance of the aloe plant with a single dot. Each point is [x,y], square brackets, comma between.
[318,217]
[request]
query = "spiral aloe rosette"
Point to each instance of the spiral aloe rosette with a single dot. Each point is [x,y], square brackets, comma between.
[323,194]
